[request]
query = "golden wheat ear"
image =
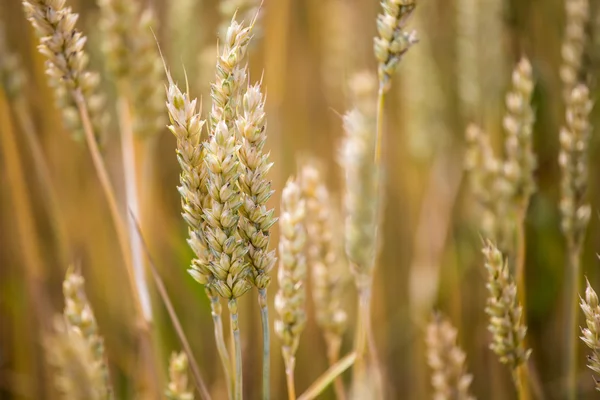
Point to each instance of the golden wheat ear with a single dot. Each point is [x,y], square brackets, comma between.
[447,361]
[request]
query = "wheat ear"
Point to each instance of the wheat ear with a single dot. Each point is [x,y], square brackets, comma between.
[79,314]
[66,64]
[327,273]
[291,296]
[186,125]
[389,47]
[255,219]
[591,334]
[361,202]
[178,387]
[573,161]
[77,375]
[577,14]
[506,316]
[449,378]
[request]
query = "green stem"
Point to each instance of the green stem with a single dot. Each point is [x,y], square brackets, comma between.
[264,314]
[329,376]
[574,271]
[216,310]
[237,346]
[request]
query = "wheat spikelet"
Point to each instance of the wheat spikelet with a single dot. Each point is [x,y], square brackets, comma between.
[573,160]
[178,388]
[66,62]
[255,218]
[77,375]
[327,274]
[449,378]
[591,334]
[518,125]
[133,60]
[291,297]
[245,10]
[505,312]
[577,14]
[393,41]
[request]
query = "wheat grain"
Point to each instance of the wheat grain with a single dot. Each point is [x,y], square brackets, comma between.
[66,63]
[449,378]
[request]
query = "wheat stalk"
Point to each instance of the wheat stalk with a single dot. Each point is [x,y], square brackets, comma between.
[573,160]
[591,334]
[291,296]
[449,378]
[177,388]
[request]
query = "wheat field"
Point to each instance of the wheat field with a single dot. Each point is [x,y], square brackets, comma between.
[301,199]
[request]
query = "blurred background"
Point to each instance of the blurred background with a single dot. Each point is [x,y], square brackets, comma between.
[306,52]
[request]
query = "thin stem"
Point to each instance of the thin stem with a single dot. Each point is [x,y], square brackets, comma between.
[521,377]
[264,316]
[237,348]
[334,344]
[523,381]
[574,271]
[379,139]
[164,295]
[131,192]
[109,193]
[290,365]
[363,321]
[44,178]
[216,311]
[329,376]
